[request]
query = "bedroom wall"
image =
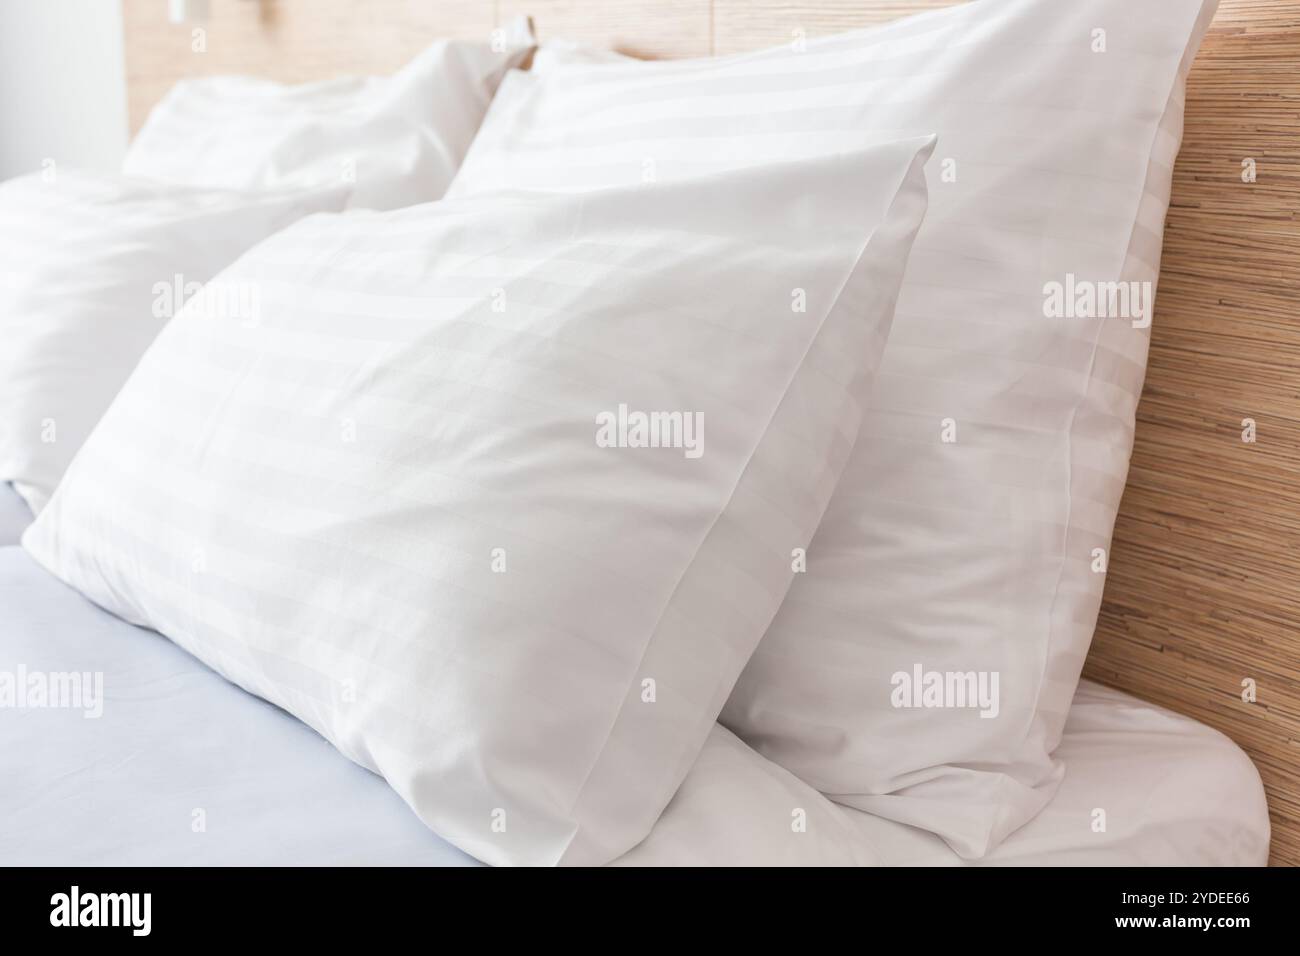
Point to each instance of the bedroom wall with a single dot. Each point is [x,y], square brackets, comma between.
[61,59]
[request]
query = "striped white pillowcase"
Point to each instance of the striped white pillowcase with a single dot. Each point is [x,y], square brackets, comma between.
[91,268]
[1058,127]
[393,140]
[381,504]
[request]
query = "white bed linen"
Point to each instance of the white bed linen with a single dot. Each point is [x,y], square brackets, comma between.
[1174,792]
[321,504]
[993,453]
[175,738]
[394,140]
[14,514]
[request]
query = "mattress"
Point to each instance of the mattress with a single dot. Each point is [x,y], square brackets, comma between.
[15,516]
[153,759]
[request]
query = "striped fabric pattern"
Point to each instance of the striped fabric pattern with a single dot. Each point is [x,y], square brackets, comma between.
[382,503]
[91,269]
[393,140]
[968,534]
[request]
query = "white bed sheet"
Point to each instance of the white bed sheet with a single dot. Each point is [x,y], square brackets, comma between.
[177,746]
[1174,793]
[15,516]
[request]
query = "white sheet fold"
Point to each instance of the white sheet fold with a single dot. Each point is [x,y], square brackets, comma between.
[183,768]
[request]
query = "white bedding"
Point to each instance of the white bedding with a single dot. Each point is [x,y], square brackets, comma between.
[397,505]
[177,746]
[14,514]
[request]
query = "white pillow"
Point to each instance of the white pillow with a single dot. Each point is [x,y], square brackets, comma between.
[1058,125]
[396,140]
[556,54]
[415,505]
[91,268]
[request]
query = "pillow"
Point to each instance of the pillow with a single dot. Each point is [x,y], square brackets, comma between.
[965,545]
[396,141]
[500,494]
[555,54]
[91,268]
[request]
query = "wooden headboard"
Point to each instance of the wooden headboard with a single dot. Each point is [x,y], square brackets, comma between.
[1203,591]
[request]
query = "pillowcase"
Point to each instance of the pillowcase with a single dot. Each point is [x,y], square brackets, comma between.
[396,141]
[556,54]
[91,268]
[500,494]
[923,665]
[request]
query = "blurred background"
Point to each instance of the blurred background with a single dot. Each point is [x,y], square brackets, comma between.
[62,59]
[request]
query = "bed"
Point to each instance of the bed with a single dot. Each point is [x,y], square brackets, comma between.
[14,515]
[1166,762]
[183,768]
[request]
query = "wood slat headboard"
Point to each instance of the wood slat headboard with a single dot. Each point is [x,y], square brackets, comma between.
[1203,591]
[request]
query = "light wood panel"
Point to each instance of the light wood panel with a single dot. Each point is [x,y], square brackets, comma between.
[662,28]
[1203,590]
